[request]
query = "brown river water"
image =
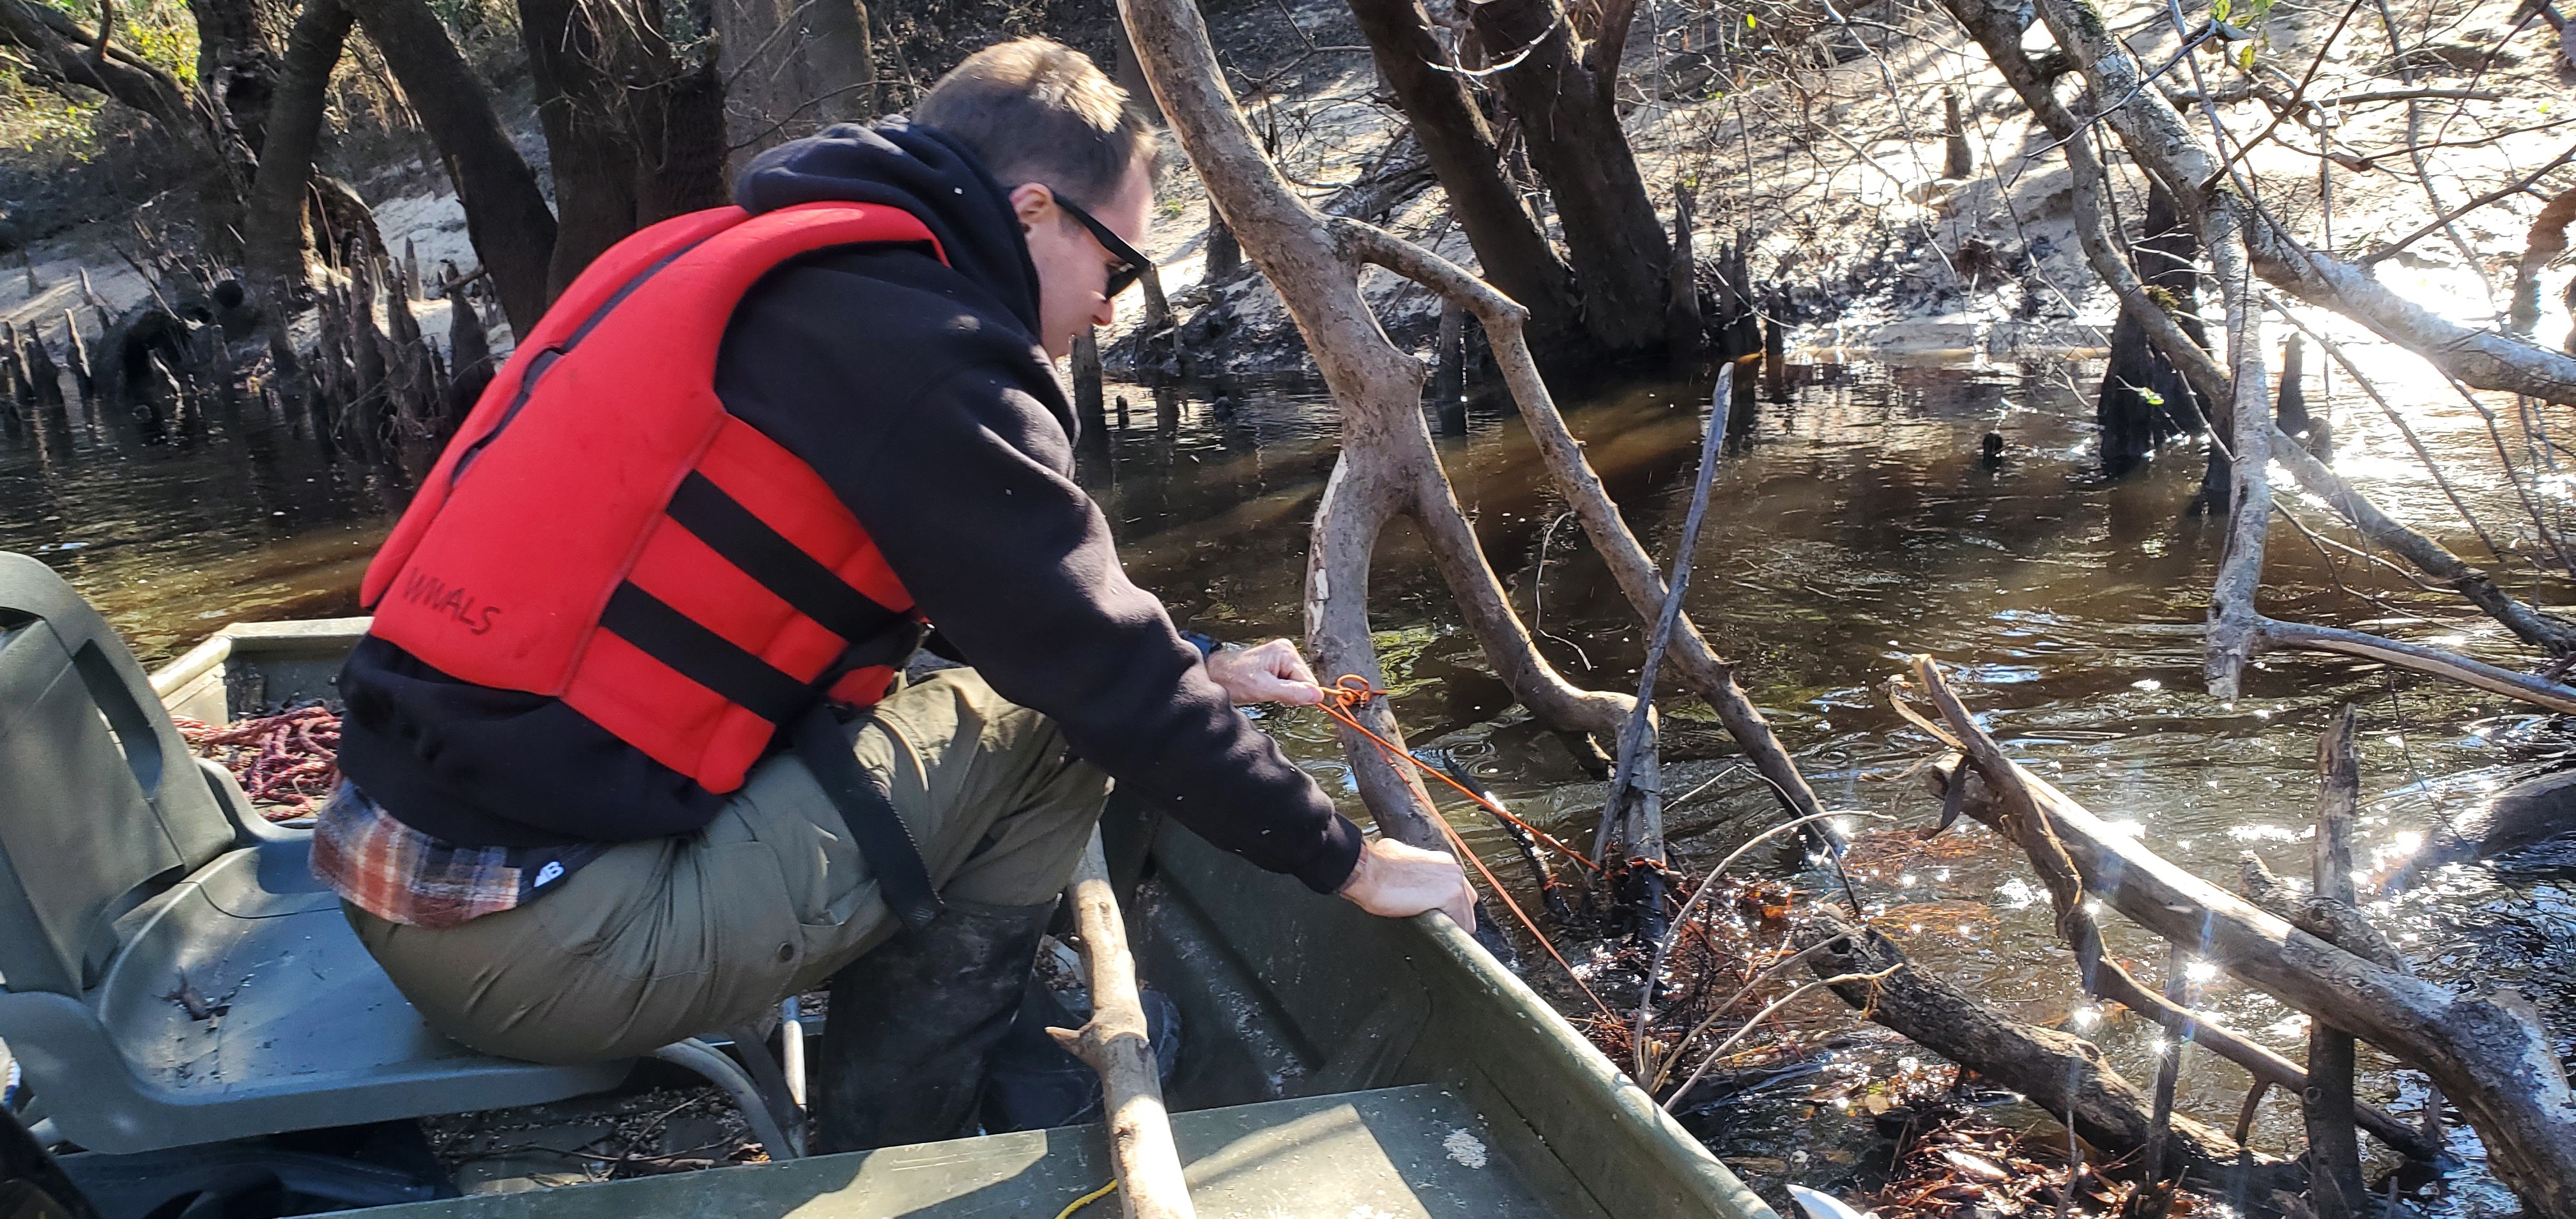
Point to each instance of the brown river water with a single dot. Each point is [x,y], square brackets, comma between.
[1857,526]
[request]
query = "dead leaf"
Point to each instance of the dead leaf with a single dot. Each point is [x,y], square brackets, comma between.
[1976,1166]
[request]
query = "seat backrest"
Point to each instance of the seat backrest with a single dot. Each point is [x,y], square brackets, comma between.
[101,805]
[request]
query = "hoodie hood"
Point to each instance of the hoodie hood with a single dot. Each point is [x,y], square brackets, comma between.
[920,170]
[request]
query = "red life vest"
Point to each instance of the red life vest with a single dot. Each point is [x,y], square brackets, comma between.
[602,531]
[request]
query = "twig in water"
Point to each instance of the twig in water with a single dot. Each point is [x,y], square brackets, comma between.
[1632,741]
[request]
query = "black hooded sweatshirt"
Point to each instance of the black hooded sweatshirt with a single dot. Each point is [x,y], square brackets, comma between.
[921,395]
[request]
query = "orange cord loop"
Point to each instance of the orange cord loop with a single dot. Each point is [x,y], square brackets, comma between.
[1352,691]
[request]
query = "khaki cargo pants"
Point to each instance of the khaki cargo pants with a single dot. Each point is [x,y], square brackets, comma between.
[678,937]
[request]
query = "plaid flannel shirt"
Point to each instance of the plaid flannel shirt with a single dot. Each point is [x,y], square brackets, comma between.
[401,875]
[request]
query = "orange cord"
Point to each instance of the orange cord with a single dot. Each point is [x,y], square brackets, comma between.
[1352,691]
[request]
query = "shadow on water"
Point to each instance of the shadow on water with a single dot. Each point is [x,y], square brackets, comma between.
[1860,522]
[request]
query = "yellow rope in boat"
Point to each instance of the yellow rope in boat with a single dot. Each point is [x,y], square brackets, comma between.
[1086,1200]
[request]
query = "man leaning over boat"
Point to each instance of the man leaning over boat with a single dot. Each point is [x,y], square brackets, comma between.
[630,755]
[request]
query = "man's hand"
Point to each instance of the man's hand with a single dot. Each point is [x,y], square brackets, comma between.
[1271,673]
[1397,881]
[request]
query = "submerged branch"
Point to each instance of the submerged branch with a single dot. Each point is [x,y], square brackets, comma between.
[2540,629]
[2273,634]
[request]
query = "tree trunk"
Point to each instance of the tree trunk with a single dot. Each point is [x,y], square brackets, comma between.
[1686,331]
[2144,400]
[2291,415]
[789,68]
[1510,248]
[1449,370]
[505,213]
[1958,160]
[680,144]
[581,70]
[1613,235]
[236,64]
[1130,73]
[273,234]
[1224,253]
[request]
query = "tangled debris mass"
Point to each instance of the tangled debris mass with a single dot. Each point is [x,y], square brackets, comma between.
[286,763]
[1965,1167]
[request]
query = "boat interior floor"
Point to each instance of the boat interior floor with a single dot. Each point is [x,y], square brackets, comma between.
[1392,1153]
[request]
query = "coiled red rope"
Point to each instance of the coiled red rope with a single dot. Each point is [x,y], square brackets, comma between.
[286,763]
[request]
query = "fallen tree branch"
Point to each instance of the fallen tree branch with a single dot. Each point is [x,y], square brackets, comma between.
[1388,463]
[2101,976]
[1644,833]
[2232,619]
[1999,34]
[2165,145]
[1115,1043]
[2060,1072]
[2337,923]
[2548,631]
[2486,1052]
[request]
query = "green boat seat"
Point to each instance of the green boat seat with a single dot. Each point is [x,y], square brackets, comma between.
[170,972]
[1416,1152]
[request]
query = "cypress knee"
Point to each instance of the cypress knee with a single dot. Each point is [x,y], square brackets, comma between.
[47,379]
[1685,332]
[2292,414]
[77,351]
[1960,162]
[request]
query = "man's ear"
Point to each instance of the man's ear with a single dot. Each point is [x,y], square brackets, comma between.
[1031,201]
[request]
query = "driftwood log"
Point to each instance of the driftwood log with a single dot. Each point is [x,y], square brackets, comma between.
[2060,1072]
[1116,1044]
[2486,1052]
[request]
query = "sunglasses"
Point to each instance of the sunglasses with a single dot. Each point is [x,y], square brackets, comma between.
[1131,265]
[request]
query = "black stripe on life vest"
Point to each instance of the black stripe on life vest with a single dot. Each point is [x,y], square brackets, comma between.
[704,657]
[781,566]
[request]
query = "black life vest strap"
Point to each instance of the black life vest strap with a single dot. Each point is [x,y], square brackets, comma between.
[746,541]
[704,657]
[711,660]
[868,811]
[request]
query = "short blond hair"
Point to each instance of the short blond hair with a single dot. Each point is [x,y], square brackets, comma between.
[1037,110]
